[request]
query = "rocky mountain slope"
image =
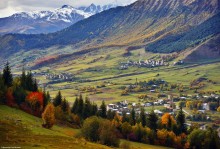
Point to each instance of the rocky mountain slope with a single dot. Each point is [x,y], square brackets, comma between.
[144,23]
[206,51]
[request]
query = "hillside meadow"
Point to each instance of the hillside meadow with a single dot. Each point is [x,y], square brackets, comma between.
[19,129]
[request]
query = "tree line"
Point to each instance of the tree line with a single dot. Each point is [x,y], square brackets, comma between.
[22,92]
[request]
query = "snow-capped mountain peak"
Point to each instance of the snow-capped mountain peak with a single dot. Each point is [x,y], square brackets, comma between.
[64,11]
[69,10]
[93,9]
[48,21]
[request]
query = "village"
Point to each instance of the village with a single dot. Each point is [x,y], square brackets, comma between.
[151,63]
[53,78]
[148,64]
[125,106]
[194,111]
[59,77]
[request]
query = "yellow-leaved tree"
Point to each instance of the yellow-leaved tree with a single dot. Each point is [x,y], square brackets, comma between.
[168,121]
[218,109]
[48,116]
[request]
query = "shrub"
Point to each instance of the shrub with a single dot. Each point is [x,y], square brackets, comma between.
[98,129]
[140,133]
[207,139]
[124,92]
[10,101]
[59,114]
[126,129]
[19,95]
[132,137]
[90,129]
[24,106]
[74,118]
[108,134]
[142,96]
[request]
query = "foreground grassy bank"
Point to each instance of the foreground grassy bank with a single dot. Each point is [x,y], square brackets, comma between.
[19,129]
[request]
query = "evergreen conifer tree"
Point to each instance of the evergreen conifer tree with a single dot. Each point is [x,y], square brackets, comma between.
[19,94]
[65,106]
[87,108]
[80,106]
[132,118]
[94,109]
[29,81]
[35,86]
[7,76]
[58,99]
[2,90]
[44,98]
[124,117]
[23,79]
[181,121]
[75,106]
[48,96]
[143,119]
[152,121]
[110,114]
[103,110]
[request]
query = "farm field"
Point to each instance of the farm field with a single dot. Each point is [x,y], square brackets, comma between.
[102,80]
[181,76]
[98,76]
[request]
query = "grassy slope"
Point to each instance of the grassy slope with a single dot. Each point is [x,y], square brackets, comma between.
[19,129]
[135,145]
[28,133]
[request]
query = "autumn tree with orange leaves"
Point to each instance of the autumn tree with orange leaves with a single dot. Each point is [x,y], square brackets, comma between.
[169,138]
[117,121]
[168,121]
[48,116]
[35,101]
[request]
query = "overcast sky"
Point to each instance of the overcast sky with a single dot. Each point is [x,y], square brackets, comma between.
[9,7]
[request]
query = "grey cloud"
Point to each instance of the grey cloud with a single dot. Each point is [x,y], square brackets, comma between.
[3,4]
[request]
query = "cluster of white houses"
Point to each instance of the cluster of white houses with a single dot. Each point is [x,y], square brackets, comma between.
[119,107]
[122,106]
[148,63]
[62,76]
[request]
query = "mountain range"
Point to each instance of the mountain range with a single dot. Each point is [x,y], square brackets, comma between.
[161,26]
[48,21]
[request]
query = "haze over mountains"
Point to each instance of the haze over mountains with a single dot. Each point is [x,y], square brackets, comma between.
[162,26]
[48,21]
